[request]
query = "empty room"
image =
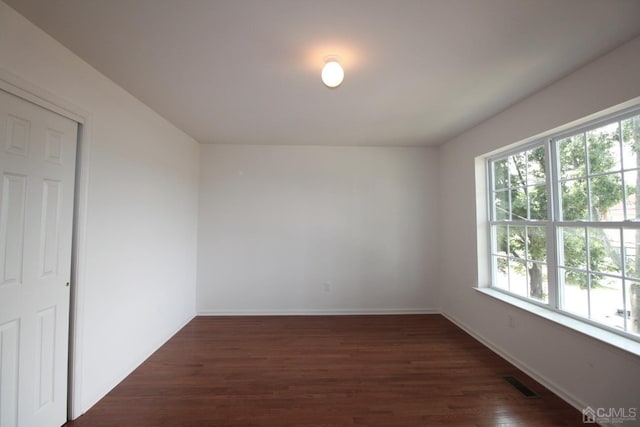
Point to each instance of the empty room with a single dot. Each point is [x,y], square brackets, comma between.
[319,213]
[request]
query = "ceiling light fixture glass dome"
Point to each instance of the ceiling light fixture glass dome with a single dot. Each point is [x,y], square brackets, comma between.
[332,72]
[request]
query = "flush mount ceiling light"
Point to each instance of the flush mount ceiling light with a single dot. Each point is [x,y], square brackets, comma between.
[332,72]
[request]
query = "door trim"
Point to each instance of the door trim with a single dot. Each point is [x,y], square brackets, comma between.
[21,88]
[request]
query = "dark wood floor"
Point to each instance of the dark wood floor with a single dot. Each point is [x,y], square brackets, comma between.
[418,370]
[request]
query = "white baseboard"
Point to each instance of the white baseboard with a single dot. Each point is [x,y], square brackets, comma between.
[316,312]
[545,381]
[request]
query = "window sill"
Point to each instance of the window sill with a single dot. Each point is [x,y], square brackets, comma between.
[615,340]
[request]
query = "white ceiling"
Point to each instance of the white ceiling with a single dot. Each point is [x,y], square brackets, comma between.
[418,72]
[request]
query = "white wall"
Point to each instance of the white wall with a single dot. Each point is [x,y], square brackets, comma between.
[277,223]
[582,370]
[140,270]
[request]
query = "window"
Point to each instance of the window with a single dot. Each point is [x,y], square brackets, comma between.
[565,222]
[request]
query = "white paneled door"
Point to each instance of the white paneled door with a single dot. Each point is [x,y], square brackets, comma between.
[37,167]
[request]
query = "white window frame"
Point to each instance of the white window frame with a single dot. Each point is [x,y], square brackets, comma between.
[553,222]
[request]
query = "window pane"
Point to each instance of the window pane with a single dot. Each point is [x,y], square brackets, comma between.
[518,170]
[574,200]
[538,202]
[631,250]
[606,198]
[632,189]
[606,299]
[633,306]
[575,292]
[604,250]
[500,174]
[501,205]
[499,244]
[537,243]
[518,278]
[517,238]
[603,145]
[518,204]
[501,266]
[631,142]
[572,155]
[538,284]
[574,250]
[536,166]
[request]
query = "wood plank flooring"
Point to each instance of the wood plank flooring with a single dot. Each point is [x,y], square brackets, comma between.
[411,370]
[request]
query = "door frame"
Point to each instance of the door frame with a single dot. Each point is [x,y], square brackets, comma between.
[21,88]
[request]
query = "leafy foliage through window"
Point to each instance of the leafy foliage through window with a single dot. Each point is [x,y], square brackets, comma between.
[565,222]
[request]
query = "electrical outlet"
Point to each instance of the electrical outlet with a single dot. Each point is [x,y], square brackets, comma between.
[510,321]
[327,287]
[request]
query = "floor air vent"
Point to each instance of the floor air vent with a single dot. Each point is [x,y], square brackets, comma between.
[526,391]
